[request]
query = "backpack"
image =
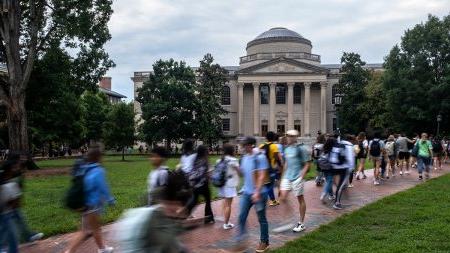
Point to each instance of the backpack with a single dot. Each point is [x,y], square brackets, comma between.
[390,148]
[324,162]
[75,196]
[266,148]
[219,174]
[375,148]
[198,174]
[362,150]
[437,146]
[177,179]
[337,155]
[316,152]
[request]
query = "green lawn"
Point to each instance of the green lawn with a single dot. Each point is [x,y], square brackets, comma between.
[128,181]
[416,220]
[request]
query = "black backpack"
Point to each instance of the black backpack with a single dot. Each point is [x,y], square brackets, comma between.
[437,146]
[177,179]
[337,154]
[375,148]
[75,196]
[362,150]
[219,174]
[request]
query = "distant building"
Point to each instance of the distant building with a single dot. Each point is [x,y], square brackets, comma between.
[279,85]
[105,88]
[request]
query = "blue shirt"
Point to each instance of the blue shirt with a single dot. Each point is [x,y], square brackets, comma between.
[95,186]
[296,157]
[250,163]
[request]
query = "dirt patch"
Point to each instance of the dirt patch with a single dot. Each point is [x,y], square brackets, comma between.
[48,172]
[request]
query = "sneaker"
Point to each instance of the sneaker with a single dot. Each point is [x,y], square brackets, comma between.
[263,247]
[435,168]
[364,176]
[228,226]
[274,203]
[299,228]
[401,173]
[331,198]
[357,177]
[427,176]
[36,237]
[376,182]
[420,177]
[350,186]
[322,198]
[407,172]
[106,250]
[337,206]
[282,228]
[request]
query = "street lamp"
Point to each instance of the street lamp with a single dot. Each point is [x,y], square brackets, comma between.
[337,104]
[438,119]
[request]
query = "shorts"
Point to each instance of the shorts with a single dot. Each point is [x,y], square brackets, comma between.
[376,158]
[392,157]
[438,154]
[227,192]
[297,186]
[403,155]
[84,223]
[362,156]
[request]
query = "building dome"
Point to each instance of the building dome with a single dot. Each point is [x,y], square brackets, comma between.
[278,34]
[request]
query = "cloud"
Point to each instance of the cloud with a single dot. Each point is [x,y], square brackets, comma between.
[144,31]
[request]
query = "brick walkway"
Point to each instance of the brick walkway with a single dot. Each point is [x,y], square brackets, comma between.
[212,238]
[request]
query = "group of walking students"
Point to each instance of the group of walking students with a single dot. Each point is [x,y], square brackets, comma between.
[267,173]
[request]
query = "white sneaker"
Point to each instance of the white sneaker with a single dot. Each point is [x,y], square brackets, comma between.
[401,173]
[36,237]
[228,226]
[282,228]
[299,228]
[106,250]
[407,172]
[350,186]
[376,182]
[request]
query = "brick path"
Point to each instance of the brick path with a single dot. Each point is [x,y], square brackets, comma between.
[212,238]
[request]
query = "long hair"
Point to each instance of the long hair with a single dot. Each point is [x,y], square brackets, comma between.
[329,143]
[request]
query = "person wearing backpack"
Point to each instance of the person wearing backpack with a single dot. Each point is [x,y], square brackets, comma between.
[376,152]
[275,159]
[198,179]
[362,155]
[317,149]
[229,183]
[424,155]
[295,169]
[391,154]
[9,196]
[97,193]
[438,153]
[188,157]
[254,168]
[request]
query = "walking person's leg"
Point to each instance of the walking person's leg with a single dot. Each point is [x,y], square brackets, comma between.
[420,166]
[244,208]
[343,177]
[427,164]
[328,187]
[260,208]
[227,212]
[209,216]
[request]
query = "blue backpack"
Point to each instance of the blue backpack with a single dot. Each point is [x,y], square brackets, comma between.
[219,174]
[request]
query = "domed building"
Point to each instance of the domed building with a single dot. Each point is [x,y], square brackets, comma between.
[279,85]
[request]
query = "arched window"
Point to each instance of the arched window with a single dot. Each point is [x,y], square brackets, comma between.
[280,94]
[226,96]
[297,94]
[264,94]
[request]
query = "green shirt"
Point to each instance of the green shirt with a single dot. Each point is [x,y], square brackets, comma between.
[424,148]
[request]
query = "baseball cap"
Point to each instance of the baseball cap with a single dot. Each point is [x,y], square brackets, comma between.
[292,132]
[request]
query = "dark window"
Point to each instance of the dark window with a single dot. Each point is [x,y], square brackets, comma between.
[225,124]
[226,96]
[264,128]
[334,124]
[281,127]
[298,126]
[297,94]
[264,94]
[280,94]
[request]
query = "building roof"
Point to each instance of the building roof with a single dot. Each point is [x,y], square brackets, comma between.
[111,93]
[278,34]
[368,65]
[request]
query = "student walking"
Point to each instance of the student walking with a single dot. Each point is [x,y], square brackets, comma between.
[188,157]
[96,195]
[254,167]
[198,179]
[275,159]
[404,152]
[229,190]
[424,155]
[391,156]
[296,167]
[362,155]
[317,150]
[376,151]
[438,153]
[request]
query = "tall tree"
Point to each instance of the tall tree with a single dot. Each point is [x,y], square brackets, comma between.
[28,28]
[374,105]
[418,77]
[94,110]
[119,127]
[351,87]
[210,82]
[168,102]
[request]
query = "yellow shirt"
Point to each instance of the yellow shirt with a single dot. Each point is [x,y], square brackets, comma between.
[273,149]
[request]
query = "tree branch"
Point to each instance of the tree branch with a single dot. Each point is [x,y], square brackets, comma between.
[40,47]
[34,28]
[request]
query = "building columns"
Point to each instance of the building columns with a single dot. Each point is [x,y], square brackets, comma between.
[240,87]
[306,131]
[272,107]
[256,120]
[290,107]
[323,107]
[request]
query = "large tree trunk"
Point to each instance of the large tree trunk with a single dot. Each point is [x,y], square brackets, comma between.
[17,125]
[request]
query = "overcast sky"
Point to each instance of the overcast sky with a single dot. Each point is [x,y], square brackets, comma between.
[144,31]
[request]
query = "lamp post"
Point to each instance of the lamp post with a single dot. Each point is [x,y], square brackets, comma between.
[337,104]
[438,119]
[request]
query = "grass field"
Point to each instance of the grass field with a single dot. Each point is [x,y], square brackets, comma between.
[416,220]
[128,181]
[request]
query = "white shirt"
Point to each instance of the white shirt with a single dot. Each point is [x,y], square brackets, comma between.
[349,157]
[8,192]
[187,162]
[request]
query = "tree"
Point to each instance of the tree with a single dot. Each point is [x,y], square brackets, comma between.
[119,127]
[168,102]
[94,110]
[351,87]
[374,105]
[28,29]
[417,77]
[211,79]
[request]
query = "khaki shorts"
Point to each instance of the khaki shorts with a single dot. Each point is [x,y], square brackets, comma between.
[297,186]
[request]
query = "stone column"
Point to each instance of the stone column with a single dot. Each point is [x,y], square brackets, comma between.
[256,103]
[240,87]
[272,102]
[306,110]
[290,106]
[323,107]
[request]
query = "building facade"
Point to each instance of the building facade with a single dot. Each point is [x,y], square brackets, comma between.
[104,86]
[279,85]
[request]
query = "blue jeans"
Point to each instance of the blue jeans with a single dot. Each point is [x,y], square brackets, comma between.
[21,225]
[270,187]
[260,207]
[7,233]
[328,187]
[423,163]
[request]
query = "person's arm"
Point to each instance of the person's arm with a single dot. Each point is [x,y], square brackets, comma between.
[104,187]
[305,170]
[259,183]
